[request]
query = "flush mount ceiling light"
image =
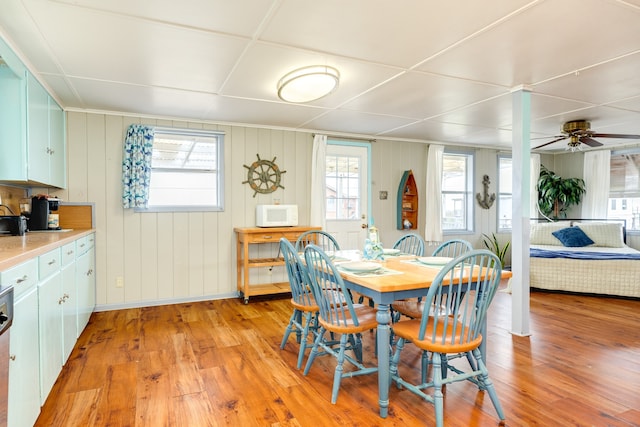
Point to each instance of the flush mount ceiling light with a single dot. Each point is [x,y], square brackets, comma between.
[308,83]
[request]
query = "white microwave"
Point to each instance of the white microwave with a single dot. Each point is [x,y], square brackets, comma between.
[276,215]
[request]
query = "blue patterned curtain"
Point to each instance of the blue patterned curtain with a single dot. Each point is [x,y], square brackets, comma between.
[136,166]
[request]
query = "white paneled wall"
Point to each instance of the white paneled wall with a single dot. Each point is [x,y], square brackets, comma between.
[171,257]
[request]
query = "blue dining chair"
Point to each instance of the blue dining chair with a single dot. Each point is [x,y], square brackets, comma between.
[320,238]
[413,307]
[339,316]
[456,330]
[305,310]
[411,243]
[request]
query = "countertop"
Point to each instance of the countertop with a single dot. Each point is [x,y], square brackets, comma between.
[17,249]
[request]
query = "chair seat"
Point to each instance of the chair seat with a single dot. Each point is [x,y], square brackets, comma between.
[310,306]
[410,329]
[413,308]
[366,320]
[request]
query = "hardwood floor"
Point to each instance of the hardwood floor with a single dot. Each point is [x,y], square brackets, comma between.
[218,363]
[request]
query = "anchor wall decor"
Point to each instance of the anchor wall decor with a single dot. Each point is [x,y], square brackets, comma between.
[486,201]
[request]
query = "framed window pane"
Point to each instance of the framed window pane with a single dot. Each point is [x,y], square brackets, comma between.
[504,193]
[186,170]
[457,198]
[624,188]
[343,187]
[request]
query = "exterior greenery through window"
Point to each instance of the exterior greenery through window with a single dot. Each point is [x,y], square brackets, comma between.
[505,195]
[624,187]
[457,196]
[186,170]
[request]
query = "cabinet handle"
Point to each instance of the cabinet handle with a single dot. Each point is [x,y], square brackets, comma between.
[65,297]
[70,253]
[60,301]
[53,261]
[267,237]
[24,278]
[82,245]
[52,151]
[12,357]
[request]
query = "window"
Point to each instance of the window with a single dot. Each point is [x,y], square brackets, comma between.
[343,186]
[505,195]
[186,170]
[457,199]
[624,187]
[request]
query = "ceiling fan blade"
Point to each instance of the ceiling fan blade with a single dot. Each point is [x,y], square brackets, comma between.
[550,142]
[590,142]
[545,137]
[614,135]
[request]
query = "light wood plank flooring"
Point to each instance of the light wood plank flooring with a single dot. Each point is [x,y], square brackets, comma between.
[218,363]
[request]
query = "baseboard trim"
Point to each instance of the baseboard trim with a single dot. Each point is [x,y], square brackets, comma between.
[139,304]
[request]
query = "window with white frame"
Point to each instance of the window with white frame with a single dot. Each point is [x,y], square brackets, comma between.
[186,170]
[457,197]
[505,195]
[343,186]
[624,187]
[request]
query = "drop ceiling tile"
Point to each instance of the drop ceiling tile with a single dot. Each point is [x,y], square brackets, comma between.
[381,31]
[605,83]
[355,122]
[241,18]
[123,49]
[273,62]
[549,39]
[421,95]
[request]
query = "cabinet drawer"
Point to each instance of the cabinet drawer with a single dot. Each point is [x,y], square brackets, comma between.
[85,243]
[49,263]
[21,277]
[274,237]
[68,253]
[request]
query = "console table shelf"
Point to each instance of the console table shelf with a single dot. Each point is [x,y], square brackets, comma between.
[256,236]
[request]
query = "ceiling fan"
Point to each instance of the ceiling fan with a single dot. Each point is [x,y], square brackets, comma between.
[579,132]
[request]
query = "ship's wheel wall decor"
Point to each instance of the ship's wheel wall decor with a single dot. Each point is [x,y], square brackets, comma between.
[263,176]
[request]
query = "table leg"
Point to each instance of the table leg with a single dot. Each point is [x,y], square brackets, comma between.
[383,316]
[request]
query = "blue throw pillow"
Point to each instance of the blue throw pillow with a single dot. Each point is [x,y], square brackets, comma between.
[573,237]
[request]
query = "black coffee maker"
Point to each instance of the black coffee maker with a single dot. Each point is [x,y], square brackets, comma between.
[41,207]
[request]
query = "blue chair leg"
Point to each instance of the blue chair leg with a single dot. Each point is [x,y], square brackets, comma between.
[438,398]
[304,337]
[288,330]
[314,351]
[488,384]
[337,376]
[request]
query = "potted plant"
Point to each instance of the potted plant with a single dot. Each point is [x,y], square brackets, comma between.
[556,194]
[493,244]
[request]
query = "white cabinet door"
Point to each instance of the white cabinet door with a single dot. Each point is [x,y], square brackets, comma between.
[38,131]
[24,365]
[86,287]
[50,302]
[69,310]
[57,161]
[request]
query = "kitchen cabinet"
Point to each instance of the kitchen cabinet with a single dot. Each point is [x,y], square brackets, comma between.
[45,325]
[45,136]
[86,279]
[69,294]
[50,301]
[246,237]
[24,344]
[13,149]
[32,128]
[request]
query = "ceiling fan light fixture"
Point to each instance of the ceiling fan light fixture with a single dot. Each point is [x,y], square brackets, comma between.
[574,144]
[308,83]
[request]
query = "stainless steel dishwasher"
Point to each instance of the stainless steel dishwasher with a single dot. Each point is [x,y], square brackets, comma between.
[6,319]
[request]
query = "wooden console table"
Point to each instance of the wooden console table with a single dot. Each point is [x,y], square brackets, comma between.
[258,235]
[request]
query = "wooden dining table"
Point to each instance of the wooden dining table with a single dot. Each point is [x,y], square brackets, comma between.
[408,279]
